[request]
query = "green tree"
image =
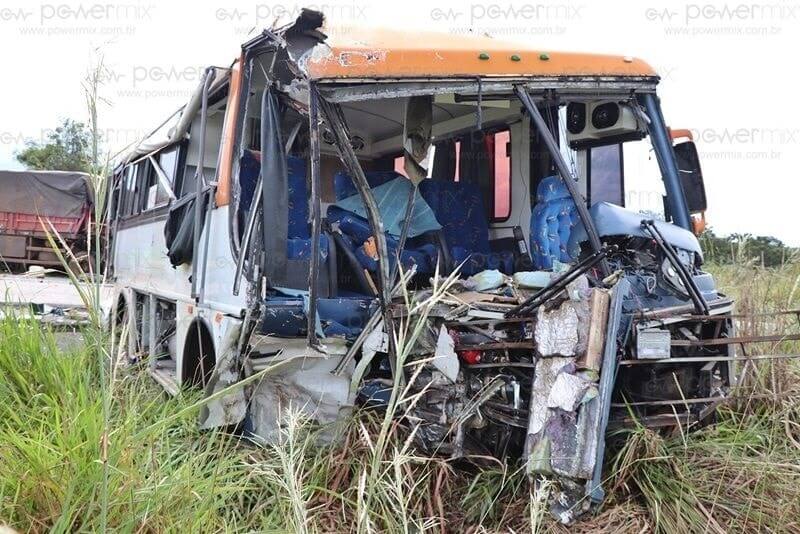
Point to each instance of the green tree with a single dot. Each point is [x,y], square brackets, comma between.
[746,248]
[67,149]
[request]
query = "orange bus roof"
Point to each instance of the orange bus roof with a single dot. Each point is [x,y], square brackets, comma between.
[377,53]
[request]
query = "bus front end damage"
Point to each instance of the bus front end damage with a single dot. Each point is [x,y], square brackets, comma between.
[512,370]
[521,355]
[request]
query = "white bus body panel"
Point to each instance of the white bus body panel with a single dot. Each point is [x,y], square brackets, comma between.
[141,264]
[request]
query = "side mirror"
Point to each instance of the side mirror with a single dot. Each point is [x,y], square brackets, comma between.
[691,176]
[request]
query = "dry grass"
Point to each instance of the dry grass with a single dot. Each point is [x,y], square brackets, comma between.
[740,475]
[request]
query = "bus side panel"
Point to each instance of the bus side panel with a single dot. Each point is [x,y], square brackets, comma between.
[141,262]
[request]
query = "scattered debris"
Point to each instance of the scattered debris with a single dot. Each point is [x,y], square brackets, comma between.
[301,380]
[532,279]
[485,280]
[445,359]
[486,382]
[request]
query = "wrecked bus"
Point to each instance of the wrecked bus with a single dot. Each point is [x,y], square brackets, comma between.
[310,196]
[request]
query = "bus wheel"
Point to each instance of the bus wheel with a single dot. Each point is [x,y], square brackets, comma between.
[198,356]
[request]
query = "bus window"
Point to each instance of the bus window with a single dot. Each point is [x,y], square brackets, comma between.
[129,193]
[213,140]
[145,180]
[605,175]
[502,175]
[498,180]
[167,162]
[116,196]
[644,187]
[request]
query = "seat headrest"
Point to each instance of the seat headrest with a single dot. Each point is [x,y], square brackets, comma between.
[551,188]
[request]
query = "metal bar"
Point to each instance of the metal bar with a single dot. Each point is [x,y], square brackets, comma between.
[657,421]
[557,285]
[162,177]
[700,304]
[480,322]
[506,345]
[151,330]
[524,365]
[207,224]
[335,120]
[702,359]
[666,313]
[699,400]
[313,271]
[351,352]
[608,375]
[739,315]
[734,340]
[404,231]
[566,175]
[582,88]
[200,179]
[292,136]
[248,232]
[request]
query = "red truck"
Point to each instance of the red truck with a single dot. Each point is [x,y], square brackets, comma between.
[28,200]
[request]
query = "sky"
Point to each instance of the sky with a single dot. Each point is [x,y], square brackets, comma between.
[727,72]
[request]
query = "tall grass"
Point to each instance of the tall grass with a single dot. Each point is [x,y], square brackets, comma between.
[740,475]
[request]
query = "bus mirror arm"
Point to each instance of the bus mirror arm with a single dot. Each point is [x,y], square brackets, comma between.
[314,156]
[248,232]
[200,180]
[566,175]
